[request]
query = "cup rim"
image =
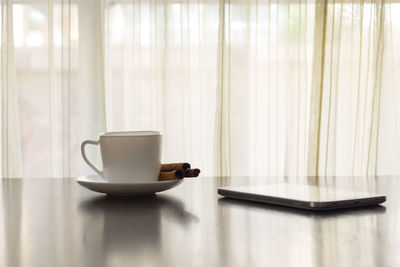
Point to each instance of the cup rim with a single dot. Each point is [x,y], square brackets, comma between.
[130,134]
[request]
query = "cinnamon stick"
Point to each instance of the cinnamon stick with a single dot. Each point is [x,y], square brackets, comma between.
[182,166]
[192,172]
[170,175]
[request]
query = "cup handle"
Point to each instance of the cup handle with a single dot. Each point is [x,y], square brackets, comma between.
[91,165]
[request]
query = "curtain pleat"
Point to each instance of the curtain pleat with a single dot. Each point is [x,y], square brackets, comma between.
[91,90]
[11,156]
[321,8]
[222,158]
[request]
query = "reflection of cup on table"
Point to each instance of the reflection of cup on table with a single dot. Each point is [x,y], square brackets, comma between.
[128,157]
[131,228]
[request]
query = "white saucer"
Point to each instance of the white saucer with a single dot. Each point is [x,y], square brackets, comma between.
[98,184]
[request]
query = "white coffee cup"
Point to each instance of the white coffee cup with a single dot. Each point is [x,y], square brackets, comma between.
[128,157]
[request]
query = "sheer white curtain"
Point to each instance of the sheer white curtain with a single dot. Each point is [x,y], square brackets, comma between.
[161,73]
[261,87]
[10,134]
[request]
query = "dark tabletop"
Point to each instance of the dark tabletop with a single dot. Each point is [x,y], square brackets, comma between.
[56,222]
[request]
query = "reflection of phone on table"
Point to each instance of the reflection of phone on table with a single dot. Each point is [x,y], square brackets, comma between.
[309,197]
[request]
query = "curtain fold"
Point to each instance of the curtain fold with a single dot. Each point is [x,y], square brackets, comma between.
[347,88]
[11,158]
[222,118]
[317,87]
[91,74]
[259,87]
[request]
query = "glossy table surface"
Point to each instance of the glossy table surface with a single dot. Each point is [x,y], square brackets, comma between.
[56,222]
